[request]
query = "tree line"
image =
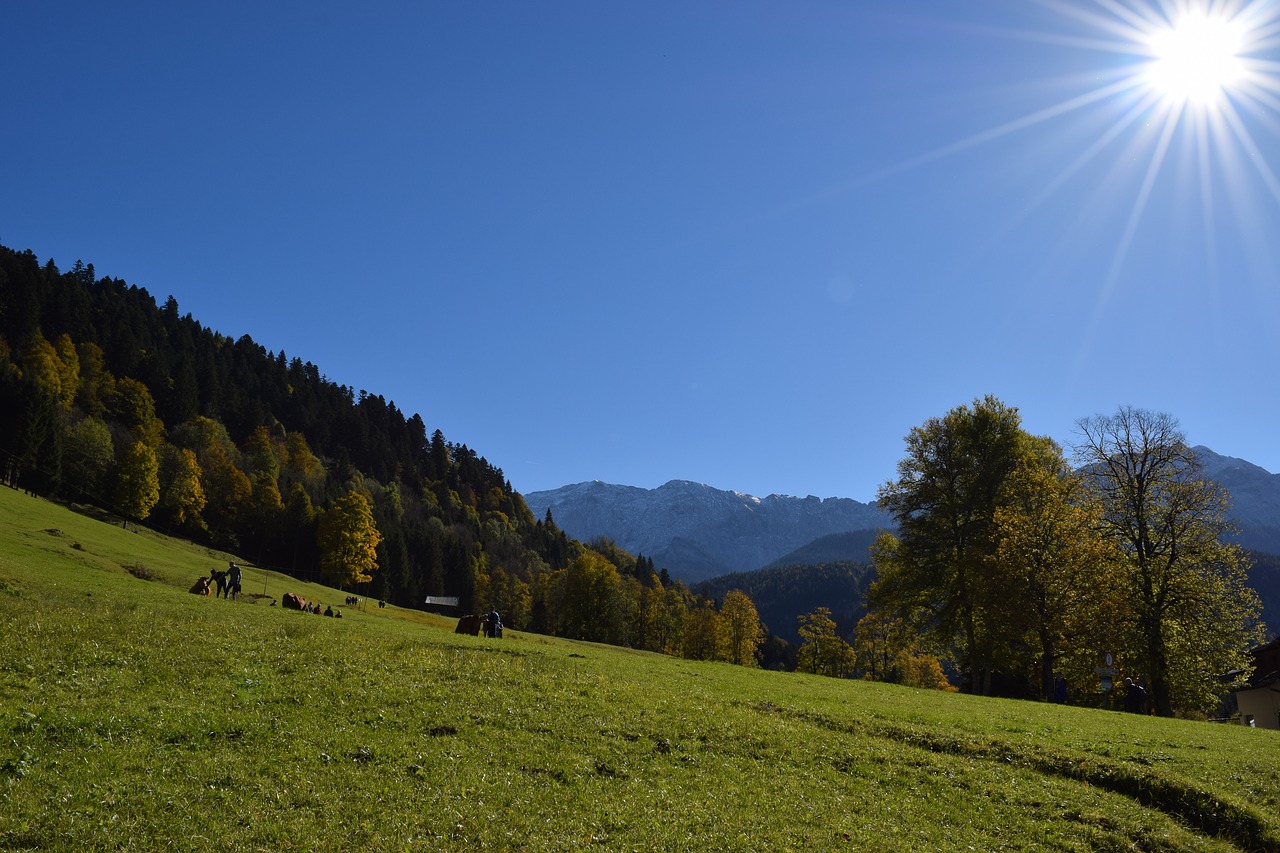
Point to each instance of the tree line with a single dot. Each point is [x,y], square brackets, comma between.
[108,398]
[1029,572]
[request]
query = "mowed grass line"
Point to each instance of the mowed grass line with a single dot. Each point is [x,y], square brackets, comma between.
[136,716]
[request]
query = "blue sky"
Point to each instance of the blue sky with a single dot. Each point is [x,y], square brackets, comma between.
[749,244]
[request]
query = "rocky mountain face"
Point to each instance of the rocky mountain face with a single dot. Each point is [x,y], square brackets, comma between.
[1255,494]
[696,531]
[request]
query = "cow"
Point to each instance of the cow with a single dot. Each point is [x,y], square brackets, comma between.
[469,624]
[201,587]
[293,602]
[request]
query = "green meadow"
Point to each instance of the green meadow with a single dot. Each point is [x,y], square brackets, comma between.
[136,716]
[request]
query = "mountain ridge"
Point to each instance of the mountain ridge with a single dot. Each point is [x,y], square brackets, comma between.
[697,531]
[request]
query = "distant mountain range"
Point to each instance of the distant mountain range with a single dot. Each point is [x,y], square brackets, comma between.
[698,532]
[713,539]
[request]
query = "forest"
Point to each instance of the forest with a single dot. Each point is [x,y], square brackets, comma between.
[111,400]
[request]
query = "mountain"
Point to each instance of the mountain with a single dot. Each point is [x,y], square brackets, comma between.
[696,531]
[1255,494]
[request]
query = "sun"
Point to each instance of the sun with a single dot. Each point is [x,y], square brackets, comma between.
[1197,59]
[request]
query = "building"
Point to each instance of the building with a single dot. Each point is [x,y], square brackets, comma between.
[1259,701]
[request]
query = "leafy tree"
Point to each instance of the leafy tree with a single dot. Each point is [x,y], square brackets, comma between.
[68,370]
[137,482]
[1056,566]
[348,541]
[590,600]
[743,633]
[182,497]
[88,455]
[131,404]
[822,650]
[97,385]
[40,364]
[670,626]
[940,565]
[1189,610]
[227,489]
[704,634]
[923,671]
[881,639]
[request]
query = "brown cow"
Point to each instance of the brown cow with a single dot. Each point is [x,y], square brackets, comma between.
[201,587]
[293,602]
[469,624]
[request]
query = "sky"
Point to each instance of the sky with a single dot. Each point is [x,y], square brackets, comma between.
[749,244]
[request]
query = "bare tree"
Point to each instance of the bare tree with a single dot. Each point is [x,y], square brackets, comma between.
[1190,613]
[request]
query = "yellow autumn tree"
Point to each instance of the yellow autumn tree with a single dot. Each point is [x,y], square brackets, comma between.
[822,650]
[742,629]
[182,497]
[137,482]
[348,539]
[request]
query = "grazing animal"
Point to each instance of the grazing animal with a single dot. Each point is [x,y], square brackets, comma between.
[469,624]
[293,602]
[201,586]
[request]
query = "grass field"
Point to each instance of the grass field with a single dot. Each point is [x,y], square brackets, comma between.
[135,716]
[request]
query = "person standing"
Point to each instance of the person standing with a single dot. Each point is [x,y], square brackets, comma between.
[1135,697]
[233,580]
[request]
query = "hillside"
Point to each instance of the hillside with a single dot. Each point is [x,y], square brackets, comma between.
[112,400]
[142,717]
[784,593]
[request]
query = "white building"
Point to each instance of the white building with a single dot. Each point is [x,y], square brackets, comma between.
[1259,702]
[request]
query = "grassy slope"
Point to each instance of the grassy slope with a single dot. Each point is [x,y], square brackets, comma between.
[136,716]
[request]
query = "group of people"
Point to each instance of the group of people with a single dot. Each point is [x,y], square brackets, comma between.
[491,624]
[225,583]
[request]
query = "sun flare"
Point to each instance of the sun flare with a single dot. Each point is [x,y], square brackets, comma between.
[1197,59]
